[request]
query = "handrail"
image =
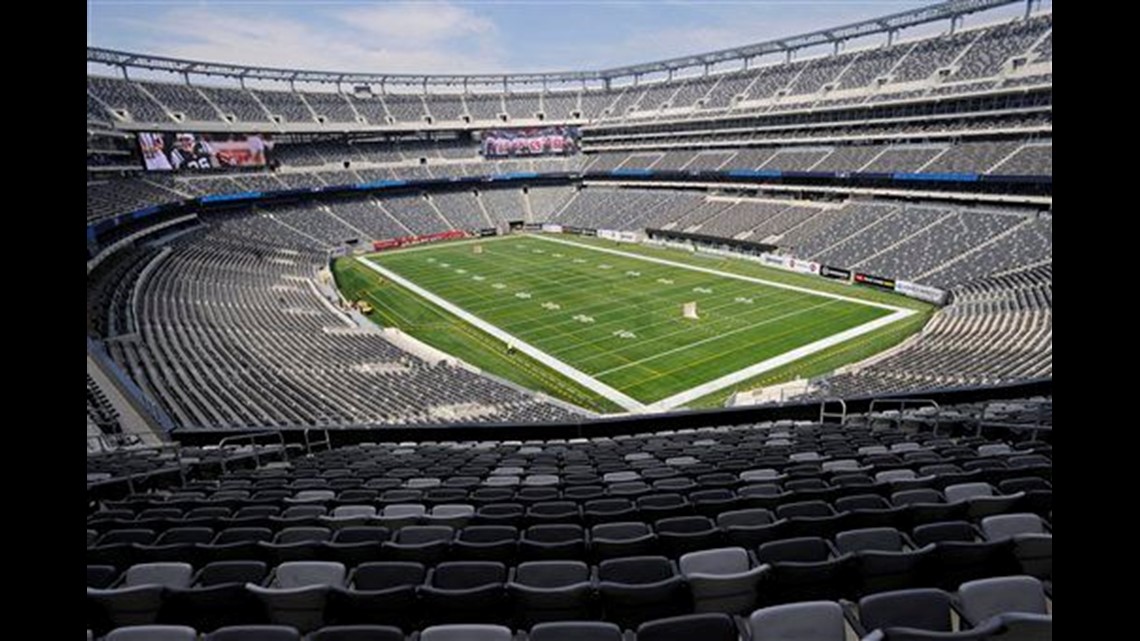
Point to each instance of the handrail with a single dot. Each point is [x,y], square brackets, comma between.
[1035,428]
[902,403]
[180,464]
[252,438]
[327,441]
[823,413]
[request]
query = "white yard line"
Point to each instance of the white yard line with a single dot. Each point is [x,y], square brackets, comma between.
[705,389]
[717,337]
[526,348]
[716,272]
[677,400]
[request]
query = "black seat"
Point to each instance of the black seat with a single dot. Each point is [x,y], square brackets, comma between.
[805,569]
[465,592]
[638,589]
[382,593]
[697,627]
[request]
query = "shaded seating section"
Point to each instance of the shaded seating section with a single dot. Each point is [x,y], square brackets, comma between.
[358,536]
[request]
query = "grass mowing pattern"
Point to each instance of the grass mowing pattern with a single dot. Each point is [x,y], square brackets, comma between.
[618,318]
[393,306]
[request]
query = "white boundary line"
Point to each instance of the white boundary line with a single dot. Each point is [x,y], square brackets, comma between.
[772,363]
[526,348]
[714,272]
[691,394]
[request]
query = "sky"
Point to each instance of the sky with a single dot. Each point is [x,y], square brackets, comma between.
[463,36]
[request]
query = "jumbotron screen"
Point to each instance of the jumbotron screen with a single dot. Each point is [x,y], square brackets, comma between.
[536,141]
[183,151]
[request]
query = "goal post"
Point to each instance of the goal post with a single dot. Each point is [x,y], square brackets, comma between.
[689,310]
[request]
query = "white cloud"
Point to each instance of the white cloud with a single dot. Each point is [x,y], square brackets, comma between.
[420,23]
[402,38]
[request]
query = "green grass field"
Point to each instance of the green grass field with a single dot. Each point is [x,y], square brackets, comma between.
[615,318]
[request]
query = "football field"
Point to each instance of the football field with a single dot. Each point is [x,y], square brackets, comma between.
[611,320]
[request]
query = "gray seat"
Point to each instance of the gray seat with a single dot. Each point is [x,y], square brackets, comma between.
[136,599]
[254,633]
[400,515]
[153,633]
[298,591]
[722,580]
[450,514]
[1032,544]
[981,499]
[806,621]
[985,598]
[1010,525]
[349,516]
[466,632]
[1019,626]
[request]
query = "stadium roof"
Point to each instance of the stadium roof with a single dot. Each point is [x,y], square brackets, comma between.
[949,10]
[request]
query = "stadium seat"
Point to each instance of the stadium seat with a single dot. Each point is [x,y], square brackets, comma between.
[465,591]
[357,633]
[641,588]
[722,580]
[706,627]
[622,539]
[551,591]
[297,591]
[466,632]
[217,596]
[806,621]
[152,633]
[922,608]
[985,598]
[378,593]
[885,559]
[805,569]
[254,633]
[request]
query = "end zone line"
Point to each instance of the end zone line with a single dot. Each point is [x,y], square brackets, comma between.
[566,370]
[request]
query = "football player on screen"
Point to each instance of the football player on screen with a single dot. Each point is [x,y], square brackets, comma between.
[189,153]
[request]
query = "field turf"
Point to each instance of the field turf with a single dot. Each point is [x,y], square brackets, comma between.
[618,318]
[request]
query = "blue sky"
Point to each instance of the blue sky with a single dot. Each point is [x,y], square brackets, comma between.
[472,36]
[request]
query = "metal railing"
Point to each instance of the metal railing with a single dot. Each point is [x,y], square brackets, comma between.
[252,439]
[824,414]
[903,405]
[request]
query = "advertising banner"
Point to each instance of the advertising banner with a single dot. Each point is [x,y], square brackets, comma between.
[531,141]
[920,292]
[875,281]
[837,273]
[803,266]
[393,243]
